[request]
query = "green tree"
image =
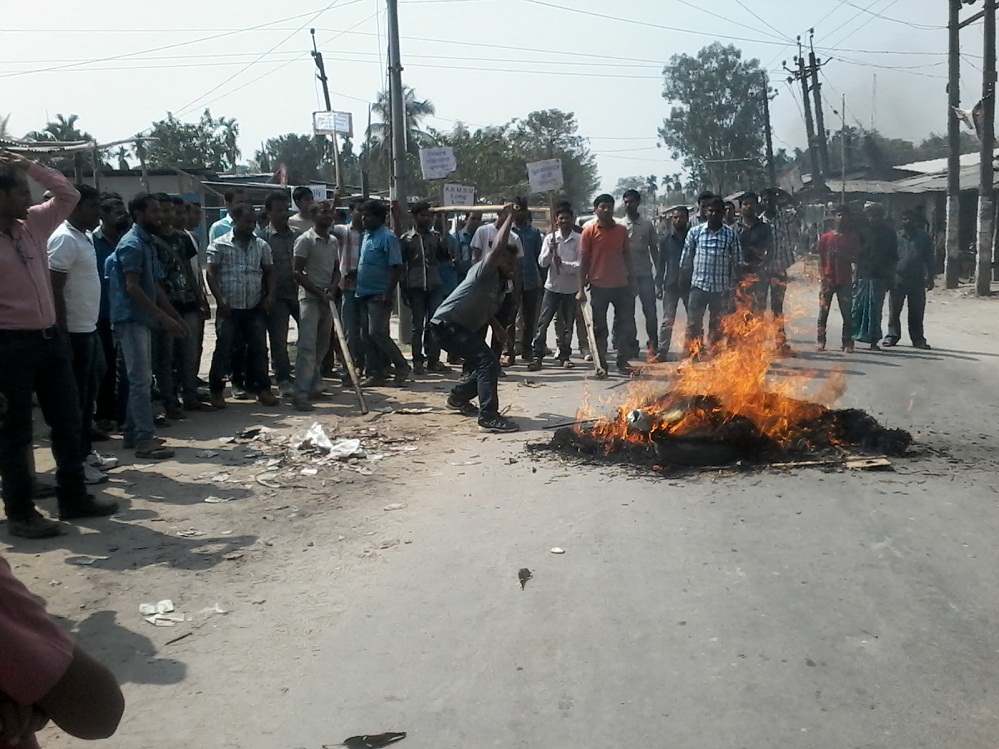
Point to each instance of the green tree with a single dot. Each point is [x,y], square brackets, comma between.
[64,130]
[207,144]
[553,134]
[4,126]
[301,155]
[716,122]
[380,132]
[629,183]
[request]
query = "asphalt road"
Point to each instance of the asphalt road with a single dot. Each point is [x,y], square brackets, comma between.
[805,609]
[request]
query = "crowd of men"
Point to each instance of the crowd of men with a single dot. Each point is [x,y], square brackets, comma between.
[103,304]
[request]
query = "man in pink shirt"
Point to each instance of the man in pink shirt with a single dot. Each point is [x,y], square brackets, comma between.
[35,353]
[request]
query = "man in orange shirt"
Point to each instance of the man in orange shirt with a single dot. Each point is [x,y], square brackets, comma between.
[605,266]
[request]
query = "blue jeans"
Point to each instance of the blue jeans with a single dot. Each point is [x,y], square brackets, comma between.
[482,367]
[136,343]
[29,362]
[424,304]
[315,326]
[380,349]
[350,312]
[251,326]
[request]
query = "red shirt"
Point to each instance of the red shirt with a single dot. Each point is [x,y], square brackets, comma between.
[34,652]
[604,259]
[25,288]
[837,254]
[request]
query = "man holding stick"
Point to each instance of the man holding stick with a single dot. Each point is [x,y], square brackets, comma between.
[460,317]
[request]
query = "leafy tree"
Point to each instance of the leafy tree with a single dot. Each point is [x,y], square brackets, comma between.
[380,133]
[206,144]
[4,126]
[63,129]
[301,155]
[629,183]
[716,123]
[553,134]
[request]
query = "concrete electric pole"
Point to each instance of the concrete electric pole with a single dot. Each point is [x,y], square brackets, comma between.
[952,257]
[397,109]
[771,166]
[321,75]
[986,191]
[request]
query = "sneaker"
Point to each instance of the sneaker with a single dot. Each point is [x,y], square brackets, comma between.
[162,421]
[401,375]
[88,507]
[267,398]
[129,442]
[301,403]
[153,450]
[439,367]
[923,345]
[286,389]
[889,341]
[587,356]
[625,369]
[418,368]
[217,400]
[174,413]
[534,366]
[463,407]
[92,475]
[374,381]
[102,461]
[241,394]
[498,424]
[35,526]
[661,357]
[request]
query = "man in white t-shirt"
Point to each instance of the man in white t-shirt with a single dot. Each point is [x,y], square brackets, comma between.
[76,287]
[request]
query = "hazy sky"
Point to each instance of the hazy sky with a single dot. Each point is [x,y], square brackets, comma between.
[121,65]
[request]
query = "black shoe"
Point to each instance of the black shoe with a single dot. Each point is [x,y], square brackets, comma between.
[374,381]
[89,507]
[625,369]
[889,341]
[419,368]
[661,357]
[35,526]
[463,407]
[498,424]
[401,376]
[438,367]
[923,345]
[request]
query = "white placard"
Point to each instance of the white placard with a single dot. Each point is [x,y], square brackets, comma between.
[455,195]
[328,123]
[545,175]
[318,192]
[437,163]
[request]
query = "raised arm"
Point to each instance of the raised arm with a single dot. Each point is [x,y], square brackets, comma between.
[43,219]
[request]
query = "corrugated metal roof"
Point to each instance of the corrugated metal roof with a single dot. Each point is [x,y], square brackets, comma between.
[45,148]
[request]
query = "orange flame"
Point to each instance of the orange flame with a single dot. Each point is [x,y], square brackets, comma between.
[734,382]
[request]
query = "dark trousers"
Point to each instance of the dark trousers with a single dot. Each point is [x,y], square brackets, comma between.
[350,312]
[671,300]
[88,371]
[507,317]
[774,284]
[564,307]
[106,406]
[715,303]
[379,348]
[251,326]
[916,297]
[277,334]
[844,297]
[30,363]
[647,301]
[423,303]
[482,368]
[624,320]
[528,313]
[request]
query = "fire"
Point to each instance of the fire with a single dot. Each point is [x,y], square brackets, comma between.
[732,385]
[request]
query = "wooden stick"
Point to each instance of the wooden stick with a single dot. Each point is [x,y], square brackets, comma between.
[347,358]
[599,366]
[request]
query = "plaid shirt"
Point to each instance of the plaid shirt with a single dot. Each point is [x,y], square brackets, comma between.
[711,257]
[783,256]
[241,269]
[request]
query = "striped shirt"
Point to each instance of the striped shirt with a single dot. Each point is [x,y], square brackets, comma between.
[712,257]
[240,269]
[783,257]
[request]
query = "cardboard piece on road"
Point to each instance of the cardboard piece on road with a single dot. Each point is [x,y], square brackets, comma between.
[458,195]
[545,175]
[437,163]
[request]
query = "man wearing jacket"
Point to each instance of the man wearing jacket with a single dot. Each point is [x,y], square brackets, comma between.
[913,278]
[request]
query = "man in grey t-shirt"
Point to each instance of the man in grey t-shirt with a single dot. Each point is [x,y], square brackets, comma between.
[317,262]
[461,316]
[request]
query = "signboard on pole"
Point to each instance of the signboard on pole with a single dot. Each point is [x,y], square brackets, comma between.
[319,192]
[437,163]
[459,195]
[333,123]
[545,175]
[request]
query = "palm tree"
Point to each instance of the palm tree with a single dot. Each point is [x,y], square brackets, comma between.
[122,155]
[652,187]
[230,136]
[380,132]
[4,127]
[61,129]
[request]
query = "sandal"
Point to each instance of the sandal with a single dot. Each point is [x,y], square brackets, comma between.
[567,364]
[153,451]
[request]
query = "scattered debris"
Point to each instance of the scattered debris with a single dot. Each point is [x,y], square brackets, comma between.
[413,411]
[213,500]
[205,454]
[346,448]
[467,463]
[370,741]
[529,384]
[388,543]
[393,506]
[254,432]
[178,639]
[267,479]
[558,550]
[190,533]
[86,561]
[524,575]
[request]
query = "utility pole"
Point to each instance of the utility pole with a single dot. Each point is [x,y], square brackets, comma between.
[820,124]
[842,151]
[952,259]
[801,75]
[398,109]
[771,166]
[986,192]
[317,56]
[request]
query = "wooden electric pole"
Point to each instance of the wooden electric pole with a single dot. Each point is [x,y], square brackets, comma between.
[317,56]
[986,190]
[952,258]
[771,166]
[802,75]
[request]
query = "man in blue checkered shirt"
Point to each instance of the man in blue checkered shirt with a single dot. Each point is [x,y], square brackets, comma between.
[710,256]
